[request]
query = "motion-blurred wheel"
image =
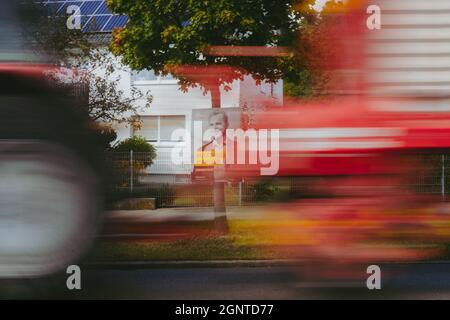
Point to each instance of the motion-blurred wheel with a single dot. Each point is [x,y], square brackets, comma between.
[50,181]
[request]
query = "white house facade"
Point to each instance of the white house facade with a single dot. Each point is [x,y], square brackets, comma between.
[171,109]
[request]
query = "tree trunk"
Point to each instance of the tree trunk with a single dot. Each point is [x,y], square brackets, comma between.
[220,213]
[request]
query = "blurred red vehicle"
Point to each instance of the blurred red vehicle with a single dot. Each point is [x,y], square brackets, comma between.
[361,147]
[389,98]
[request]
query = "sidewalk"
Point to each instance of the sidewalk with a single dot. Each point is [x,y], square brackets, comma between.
[171,223]
[184,214]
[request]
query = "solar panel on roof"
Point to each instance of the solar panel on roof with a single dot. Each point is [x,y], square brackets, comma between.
[90,7]
[103,9]
[116,22]
[96,23]
[67,4]
[95,14]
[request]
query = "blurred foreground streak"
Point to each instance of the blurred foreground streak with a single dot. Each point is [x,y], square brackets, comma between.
[50,190]
[361,149]
[359,152]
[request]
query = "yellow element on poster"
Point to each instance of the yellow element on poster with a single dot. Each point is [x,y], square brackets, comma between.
[209,158]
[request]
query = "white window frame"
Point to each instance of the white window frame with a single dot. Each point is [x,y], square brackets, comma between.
[159,142]
[268,89]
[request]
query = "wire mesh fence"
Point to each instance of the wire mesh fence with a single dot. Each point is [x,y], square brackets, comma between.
[135,176]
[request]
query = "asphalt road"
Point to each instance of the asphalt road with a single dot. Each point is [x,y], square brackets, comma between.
[400,281]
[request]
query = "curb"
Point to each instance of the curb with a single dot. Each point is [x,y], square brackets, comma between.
[219,264]
[193,264]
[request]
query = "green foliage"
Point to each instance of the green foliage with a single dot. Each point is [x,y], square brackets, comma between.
[301,88]
[165,196]
[307,84]
[309,74]
[163,34]
[264,191]
[136,143]
[105,136]
[146,153]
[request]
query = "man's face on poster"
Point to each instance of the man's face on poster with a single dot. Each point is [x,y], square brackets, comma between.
[218,122]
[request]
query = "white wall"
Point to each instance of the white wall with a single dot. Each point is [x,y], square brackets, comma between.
[168,99]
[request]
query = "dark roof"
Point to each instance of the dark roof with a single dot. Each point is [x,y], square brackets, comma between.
[95,15]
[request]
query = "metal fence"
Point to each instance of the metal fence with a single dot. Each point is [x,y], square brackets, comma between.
[171,185]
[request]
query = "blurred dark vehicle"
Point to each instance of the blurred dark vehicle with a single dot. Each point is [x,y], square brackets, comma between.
[50,171]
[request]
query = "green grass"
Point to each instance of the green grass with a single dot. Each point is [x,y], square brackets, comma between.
[247,240]
[210,248]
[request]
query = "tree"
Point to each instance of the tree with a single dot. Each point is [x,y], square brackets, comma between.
[128,164]
[309,76]
[82,63]
[180,37]
[139,145]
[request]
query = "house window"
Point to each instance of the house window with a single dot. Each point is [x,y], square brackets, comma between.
[168,124]
[159,129]
[149,129]
[149,77]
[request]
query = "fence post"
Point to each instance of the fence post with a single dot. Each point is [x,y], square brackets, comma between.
[131,171]
[240,193]
[443,177]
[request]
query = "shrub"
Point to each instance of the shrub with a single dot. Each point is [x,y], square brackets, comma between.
[263,191]
[165,196]
[139,145]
